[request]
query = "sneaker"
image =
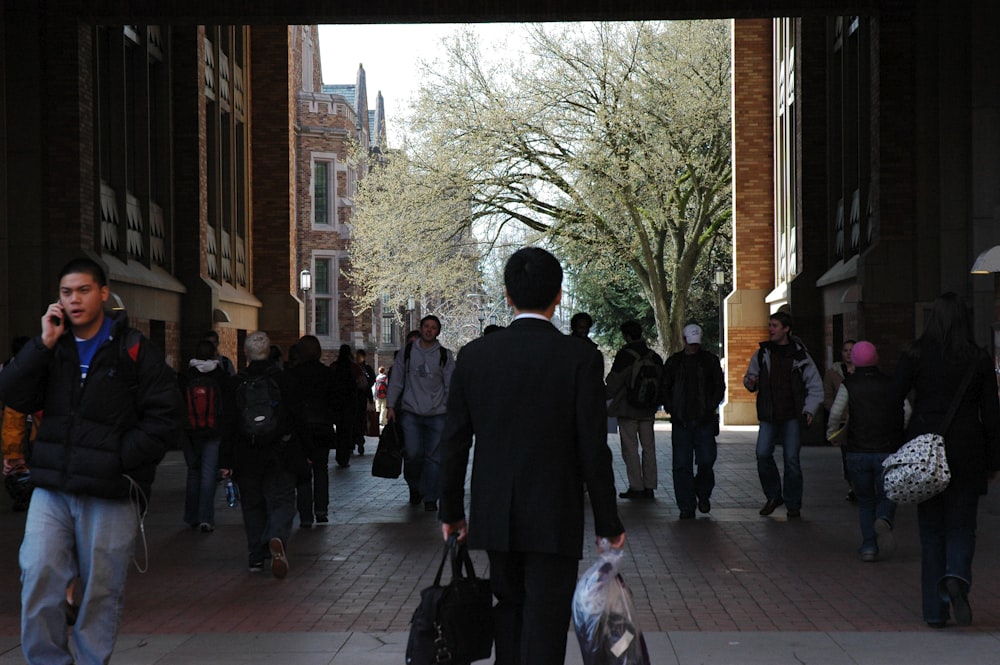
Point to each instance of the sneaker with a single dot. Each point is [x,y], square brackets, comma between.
[868,555]
[883,536]
[279,562]
[206,527]
[321,518]
[256,565]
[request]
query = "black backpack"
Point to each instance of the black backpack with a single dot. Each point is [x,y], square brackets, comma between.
[258,402]
[204,404]
[643,383]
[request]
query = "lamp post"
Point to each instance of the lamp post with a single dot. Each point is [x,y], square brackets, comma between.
[305,283]
[720,283]
[410,306]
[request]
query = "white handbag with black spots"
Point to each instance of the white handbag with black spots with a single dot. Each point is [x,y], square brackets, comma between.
[917,471]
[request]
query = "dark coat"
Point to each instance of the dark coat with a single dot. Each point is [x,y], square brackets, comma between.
[875,424]
[534,401]
[972,441]
[287,450]
[706,383]
[119,422]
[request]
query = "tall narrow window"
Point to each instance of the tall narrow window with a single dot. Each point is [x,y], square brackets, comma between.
[323,272]
[321,193]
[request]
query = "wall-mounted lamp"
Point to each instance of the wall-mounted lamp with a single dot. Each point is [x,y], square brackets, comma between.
[987,262]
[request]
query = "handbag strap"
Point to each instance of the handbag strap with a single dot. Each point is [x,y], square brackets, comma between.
[943,427]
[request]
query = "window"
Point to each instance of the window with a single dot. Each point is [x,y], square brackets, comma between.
[324,272]
[324,190]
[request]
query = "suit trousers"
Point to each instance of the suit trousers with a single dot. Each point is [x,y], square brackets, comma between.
[641,472]
[534,601]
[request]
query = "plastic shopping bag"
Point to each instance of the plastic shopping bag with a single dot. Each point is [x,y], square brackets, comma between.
[604,615]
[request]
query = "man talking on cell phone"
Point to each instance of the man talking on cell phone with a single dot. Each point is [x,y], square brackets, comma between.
[111,409]
[533,398]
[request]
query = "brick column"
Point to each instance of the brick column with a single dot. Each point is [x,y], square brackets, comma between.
[746,312]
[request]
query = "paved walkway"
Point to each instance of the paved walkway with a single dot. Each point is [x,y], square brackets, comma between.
[728,588]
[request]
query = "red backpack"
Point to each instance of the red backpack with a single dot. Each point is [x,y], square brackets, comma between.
[203,404]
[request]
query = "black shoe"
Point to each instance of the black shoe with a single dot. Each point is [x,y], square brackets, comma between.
[851,496]
[647,494]
[959,601]
[794,512]
[687,514]
[321,518]
[430,506]
[635,494]
[771,505]
[704,505]
[361,449]
[414,497]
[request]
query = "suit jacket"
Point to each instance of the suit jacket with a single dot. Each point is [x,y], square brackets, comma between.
[533,398]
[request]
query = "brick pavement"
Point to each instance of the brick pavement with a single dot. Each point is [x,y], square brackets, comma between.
[732,572]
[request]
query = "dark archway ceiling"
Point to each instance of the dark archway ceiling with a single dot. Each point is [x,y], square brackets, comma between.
[440,11]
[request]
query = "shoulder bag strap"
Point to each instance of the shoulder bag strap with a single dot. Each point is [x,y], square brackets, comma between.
[957,399]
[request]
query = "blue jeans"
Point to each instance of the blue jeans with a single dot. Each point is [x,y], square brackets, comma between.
[864,470]
[202,459]
[268,502]
[791,444]
[693,445]
[947,544]
[421,443]
[65,536]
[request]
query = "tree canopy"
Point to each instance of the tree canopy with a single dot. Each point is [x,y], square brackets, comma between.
[611,140]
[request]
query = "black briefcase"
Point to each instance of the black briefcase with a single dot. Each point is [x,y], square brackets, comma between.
[388,461]
[453,624]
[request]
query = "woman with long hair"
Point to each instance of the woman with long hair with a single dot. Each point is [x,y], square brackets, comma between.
[934,367]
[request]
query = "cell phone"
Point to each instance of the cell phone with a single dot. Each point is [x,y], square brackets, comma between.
[55,320]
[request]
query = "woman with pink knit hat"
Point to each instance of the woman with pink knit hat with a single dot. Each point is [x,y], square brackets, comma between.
[874,431]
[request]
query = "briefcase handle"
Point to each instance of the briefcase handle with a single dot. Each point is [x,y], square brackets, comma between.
[459,556]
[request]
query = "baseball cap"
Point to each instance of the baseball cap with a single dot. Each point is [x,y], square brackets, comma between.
[692,333]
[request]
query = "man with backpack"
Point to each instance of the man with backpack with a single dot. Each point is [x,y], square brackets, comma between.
[633,386]
[201,385]
[263,454]
[112,409]
[419,386]
[692,388]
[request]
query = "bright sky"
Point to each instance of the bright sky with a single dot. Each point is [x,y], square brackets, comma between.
[389,54]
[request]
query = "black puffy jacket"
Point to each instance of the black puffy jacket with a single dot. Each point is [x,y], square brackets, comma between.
[96,435]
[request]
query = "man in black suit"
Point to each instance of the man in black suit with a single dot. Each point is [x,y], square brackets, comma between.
[534,400]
